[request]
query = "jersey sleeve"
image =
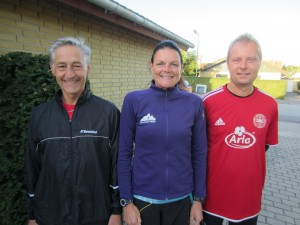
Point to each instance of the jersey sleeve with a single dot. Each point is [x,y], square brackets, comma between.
[272,134]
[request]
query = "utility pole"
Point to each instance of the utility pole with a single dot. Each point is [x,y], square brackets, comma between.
[197,57]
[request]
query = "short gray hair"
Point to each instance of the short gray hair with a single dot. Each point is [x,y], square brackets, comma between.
[73,41]
[246,38]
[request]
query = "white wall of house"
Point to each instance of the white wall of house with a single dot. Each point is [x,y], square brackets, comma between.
[296,76]
[291,86]
[269,76]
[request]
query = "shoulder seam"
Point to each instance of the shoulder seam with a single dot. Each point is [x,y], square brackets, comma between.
[261,91]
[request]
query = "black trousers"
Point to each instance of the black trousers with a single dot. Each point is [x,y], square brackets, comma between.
[102,222]
[214,220]
[174,213]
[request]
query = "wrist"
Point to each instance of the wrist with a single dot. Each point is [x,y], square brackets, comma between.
[124,202]
[199,199]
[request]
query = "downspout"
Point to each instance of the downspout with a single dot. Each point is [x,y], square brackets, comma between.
[115,7]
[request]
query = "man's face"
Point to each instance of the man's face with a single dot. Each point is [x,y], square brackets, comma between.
[243,64]
[70,71]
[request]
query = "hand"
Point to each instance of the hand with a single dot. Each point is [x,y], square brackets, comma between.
[196,215]
[132,215]
[32,222]
[115,220]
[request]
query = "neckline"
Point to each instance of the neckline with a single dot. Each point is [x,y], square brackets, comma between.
[252,92]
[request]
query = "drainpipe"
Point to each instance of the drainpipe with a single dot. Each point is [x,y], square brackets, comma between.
[115,7]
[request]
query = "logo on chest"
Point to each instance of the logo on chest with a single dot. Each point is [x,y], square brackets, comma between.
[259,120]
[240,138]
[148,119]
[88,132]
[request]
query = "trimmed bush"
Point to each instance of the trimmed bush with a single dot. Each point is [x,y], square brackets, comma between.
[25,81]
[275,88]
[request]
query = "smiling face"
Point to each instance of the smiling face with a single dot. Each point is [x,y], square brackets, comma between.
[70,72]
[243,64]
[166,68]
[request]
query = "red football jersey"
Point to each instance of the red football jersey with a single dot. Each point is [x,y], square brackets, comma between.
[238,129]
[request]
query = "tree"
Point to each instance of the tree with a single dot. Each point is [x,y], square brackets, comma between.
[189,61]
[291,69]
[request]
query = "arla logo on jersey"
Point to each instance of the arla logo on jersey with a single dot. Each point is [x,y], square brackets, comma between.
[240,138]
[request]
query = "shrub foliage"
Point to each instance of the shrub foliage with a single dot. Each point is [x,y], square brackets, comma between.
[275,88]
[25,81]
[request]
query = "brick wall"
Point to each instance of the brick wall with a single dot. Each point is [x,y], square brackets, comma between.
[120,58]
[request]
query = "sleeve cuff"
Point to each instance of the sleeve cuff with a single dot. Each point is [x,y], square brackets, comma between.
[116,211]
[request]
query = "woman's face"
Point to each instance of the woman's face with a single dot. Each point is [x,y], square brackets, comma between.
[166,68]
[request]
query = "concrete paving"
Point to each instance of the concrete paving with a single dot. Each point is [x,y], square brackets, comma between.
[281,196]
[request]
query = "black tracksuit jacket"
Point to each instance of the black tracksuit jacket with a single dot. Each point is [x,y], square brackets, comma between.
[71,170]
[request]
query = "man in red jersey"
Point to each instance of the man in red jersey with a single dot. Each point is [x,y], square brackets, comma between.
[242,122]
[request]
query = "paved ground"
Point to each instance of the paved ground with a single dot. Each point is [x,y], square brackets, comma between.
[281,196]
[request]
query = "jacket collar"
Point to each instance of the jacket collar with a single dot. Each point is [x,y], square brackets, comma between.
[174,89]
[85,95]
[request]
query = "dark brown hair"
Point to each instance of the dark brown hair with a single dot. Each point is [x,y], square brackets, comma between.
[166,44]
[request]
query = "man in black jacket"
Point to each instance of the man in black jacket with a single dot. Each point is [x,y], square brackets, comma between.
[71,157]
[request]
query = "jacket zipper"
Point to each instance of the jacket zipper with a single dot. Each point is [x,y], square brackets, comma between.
[166,148]
[73,171]
[72,179]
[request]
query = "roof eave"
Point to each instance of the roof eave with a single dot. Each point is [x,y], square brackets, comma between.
[118,14]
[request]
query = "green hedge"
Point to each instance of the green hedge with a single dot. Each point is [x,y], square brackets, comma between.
[25,81]
[275,88]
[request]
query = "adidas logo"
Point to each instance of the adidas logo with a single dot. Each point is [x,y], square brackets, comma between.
[219,122]
[148,119]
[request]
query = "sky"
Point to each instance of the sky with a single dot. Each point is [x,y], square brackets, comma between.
[274,23]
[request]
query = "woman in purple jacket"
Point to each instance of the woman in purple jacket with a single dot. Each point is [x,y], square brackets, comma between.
[162,148]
